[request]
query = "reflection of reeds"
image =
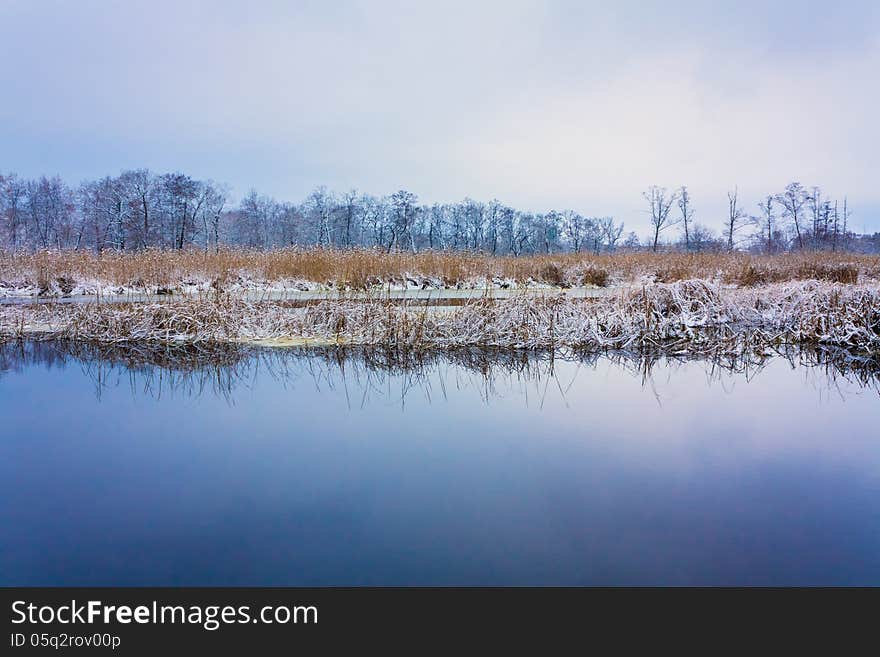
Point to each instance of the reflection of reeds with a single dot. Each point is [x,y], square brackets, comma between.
[688,317]
[220,369]
[189,368]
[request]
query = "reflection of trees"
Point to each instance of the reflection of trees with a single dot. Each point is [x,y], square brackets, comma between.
[365,373]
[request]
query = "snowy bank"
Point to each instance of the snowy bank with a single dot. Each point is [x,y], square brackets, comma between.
[695,316]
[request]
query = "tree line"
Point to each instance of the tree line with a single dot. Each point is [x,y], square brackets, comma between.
[139,209]
[796,218]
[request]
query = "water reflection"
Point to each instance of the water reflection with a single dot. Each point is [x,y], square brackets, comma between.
[367,373]
[241,466]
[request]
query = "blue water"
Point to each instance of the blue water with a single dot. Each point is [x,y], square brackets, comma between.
[296,470]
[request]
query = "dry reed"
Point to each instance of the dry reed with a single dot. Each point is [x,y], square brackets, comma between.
[57,273]
[689,317]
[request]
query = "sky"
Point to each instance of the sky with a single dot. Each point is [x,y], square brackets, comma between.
[543,105]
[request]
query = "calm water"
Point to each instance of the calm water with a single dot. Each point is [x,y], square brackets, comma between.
[288,469]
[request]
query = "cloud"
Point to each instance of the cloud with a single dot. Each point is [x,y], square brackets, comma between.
[540,104]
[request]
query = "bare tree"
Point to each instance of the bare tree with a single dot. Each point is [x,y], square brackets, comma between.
[516,228]
[12,197]
[493,224]
[815,204]
[119,211]
[350,211]
[735,218]
[319,210]
[436,220]
[215,201]
[182,199]
[548,225]
[474,214]
[766,223]
[51,210]
[141,186]
[792,201]
[632,243]
[611,232]
[844,219]
[374,218]
[256,219]
[575,226]
[687,214]
[826,220]
[403,208]
[702,239]
[660,203]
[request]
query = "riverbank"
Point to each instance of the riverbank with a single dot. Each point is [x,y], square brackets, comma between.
[694,316]
[325,273]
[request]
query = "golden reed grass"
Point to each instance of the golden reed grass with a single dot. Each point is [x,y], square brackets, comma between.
[363,268]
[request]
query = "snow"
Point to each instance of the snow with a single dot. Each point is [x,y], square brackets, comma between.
[694,316]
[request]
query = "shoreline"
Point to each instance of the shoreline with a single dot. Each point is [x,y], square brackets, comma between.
[691,317]
[321,294]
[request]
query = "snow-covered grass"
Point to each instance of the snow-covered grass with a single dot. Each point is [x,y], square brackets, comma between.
[689,317]
[71,273]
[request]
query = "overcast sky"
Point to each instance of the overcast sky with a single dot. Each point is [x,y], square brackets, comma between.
[541,104]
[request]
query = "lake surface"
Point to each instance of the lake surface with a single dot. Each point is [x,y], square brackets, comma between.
[307,468]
